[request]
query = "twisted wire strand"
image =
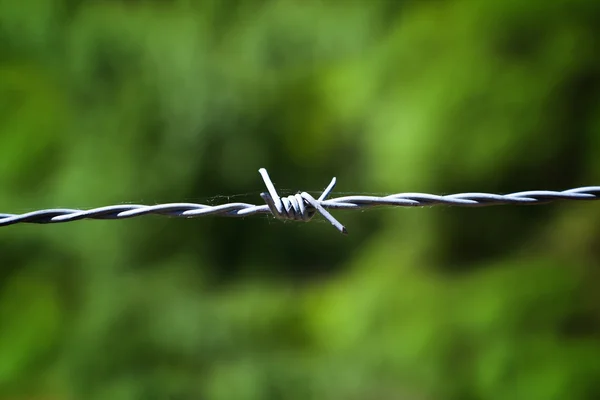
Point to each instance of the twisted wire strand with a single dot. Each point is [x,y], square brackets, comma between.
[301,206]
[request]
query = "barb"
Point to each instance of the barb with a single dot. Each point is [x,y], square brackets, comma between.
[299,207]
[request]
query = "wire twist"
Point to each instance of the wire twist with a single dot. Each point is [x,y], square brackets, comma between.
[299,207]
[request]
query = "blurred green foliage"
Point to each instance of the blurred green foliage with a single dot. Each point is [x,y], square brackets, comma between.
[104,102]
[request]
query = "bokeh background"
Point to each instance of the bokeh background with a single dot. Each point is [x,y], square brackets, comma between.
[107,102]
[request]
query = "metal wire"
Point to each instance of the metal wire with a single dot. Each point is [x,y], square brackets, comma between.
[299,207]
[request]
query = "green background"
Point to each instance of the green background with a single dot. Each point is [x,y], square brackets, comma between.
[182,101]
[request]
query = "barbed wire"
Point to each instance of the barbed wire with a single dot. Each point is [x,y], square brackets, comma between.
[299,207]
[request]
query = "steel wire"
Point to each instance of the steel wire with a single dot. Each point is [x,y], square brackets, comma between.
[299,207]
